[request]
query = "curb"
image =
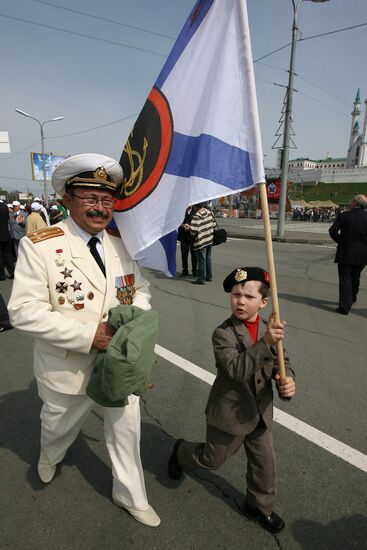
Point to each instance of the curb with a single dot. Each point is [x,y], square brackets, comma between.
[280,240]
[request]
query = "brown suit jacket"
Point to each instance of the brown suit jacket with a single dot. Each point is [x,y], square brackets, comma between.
[242,391]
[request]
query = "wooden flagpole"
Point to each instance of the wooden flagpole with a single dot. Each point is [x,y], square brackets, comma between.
[271,267]
[254,120]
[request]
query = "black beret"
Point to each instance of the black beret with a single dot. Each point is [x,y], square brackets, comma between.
[244,274]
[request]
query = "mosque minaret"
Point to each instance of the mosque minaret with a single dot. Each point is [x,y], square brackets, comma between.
[357,154]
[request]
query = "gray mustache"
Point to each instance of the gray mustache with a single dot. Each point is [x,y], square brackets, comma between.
[96,214]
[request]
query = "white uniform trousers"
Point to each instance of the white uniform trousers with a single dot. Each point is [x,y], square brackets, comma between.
[62,417]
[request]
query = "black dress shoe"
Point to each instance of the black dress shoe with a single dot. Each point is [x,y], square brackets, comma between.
[175,469]
[197,282]
[342,311]
[272,523]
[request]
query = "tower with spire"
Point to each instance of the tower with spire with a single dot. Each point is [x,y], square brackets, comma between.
[357,150]
[362,160]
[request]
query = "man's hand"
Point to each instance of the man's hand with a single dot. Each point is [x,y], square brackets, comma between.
[286,386]
[275,330]
[102,337]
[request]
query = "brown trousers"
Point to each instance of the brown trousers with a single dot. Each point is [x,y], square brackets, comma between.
[219,446]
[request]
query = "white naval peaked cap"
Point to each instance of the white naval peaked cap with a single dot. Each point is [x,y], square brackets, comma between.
[37,199]
[89,170]
[15,203]
[36,206]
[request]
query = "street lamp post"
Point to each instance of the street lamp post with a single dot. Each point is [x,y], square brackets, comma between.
[41,124]
[287,120]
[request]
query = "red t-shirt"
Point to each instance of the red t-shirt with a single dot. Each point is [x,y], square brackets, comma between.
[253,327]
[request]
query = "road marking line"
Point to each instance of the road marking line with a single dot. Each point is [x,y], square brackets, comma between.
[300,244]
[196,371]
[326,442]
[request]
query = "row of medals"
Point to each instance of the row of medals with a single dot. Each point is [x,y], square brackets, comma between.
[62,287]
[77,299]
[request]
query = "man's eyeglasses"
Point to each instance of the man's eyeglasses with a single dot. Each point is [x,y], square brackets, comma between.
[92,201]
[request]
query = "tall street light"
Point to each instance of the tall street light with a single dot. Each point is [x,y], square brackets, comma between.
[287,120]
[41,124]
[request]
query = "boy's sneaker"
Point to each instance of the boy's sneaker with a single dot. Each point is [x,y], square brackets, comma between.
[272,523]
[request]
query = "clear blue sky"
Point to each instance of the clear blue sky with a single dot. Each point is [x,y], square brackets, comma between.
[91,82]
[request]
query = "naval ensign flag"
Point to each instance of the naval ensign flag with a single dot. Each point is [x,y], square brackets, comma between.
[197,136]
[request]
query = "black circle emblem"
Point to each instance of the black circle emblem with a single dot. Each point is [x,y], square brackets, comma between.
[146,152]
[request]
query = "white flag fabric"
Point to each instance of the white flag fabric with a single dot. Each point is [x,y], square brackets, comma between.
[197,137]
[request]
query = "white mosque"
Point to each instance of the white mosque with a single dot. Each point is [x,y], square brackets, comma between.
[349,169]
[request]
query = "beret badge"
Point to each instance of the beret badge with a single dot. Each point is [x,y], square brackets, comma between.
[240,275]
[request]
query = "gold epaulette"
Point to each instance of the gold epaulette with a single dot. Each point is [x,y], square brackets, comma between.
[113,232]
[44,234]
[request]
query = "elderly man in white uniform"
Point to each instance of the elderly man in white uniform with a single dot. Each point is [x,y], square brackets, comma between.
[67,278]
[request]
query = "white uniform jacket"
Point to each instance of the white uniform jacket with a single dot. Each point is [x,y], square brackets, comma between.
[60,296]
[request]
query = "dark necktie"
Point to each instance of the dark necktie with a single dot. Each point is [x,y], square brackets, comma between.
[92,243]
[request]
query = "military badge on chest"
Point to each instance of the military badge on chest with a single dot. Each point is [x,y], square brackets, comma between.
[61,287]
[59,259]
[76,298]
[125,289]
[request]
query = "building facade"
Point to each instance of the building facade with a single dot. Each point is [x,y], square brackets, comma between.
[349,169]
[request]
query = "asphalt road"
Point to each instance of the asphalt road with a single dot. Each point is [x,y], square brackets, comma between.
[321,496]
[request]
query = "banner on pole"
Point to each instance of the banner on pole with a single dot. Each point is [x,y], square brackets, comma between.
[51,162]
[197,137]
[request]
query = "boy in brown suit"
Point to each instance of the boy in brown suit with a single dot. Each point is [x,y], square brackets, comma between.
[240,405]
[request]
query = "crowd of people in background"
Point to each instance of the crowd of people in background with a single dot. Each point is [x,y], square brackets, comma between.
[297,214]
[22,219]
[316,214]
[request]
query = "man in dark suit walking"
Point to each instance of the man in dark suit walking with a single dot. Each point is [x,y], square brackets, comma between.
[6,258]
[349,230]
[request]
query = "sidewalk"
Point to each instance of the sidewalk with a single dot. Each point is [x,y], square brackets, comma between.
[294,232]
